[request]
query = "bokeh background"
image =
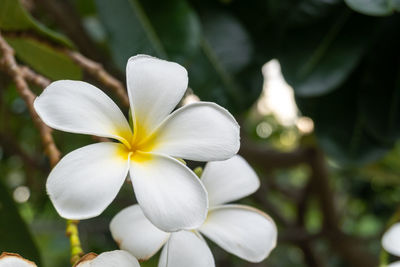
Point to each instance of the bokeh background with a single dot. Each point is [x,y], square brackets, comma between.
[315,85]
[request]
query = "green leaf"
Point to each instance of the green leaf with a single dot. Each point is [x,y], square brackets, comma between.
[209,78]
[374,7]
[14,234]
[233,48]
[360,121]
[341,128]
[380,100]
[179,32]
[13,17]
[172,30]
[229,62]
[45,59]
[317,59]
[318,43]
[169,30]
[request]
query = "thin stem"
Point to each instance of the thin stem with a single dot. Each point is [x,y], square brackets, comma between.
[198,171]
[75,244]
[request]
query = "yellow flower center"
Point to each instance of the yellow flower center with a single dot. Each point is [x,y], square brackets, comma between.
[135,144]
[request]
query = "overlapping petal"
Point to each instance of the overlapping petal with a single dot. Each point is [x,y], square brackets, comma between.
[229,180]
[241,230]
[86,180]
[186,248]
[78,107]
[200,131]
[14,260]
[391,240]
[155,87]
[135,233]
[116,258]
[169,193]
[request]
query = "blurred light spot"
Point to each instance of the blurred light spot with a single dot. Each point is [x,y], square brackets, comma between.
[191,98]
[264,129]
[277,97]
[294,254]
[288,138]
[15,178]
[18,106]
[305,125]
[94,28]
[21,194]
[262,108]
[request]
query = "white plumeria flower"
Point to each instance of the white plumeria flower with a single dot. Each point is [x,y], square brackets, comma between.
[14,260]
[86,180]
[116,258]
[241,230]
[391,242]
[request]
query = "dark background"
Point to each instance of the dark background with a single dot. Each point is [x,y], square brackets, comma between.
[332,189]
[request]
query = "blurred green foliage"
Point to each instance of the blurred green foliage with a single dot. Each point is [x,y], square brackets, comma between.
[10,218]
[340,57]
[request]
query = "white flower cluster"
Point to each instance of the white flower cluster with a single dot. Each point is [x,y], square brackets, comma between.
[175,208]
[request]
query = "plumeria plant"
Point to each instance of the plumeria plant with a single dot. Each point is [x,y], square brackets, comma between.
[175,208]
[86,180]
[241,230]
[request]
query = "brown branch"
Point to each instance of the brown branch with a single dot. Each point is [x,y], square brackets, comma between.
[311,257]
[98,72]
[34,77]
[9,64]
[92,67]
[321,188]
[43,82]
[27,74]
[287,191]
[352,249]
[270,159]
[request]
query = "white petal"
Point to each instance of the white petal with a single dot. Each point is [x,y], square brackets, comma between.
[135,233]
[87,180]
[14,260]
[394,264]
[185,248]
[229,180]
[199,131]
[241,230]
[116,258]
[78,107]
[155,87]
[391,240]
[169,193]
